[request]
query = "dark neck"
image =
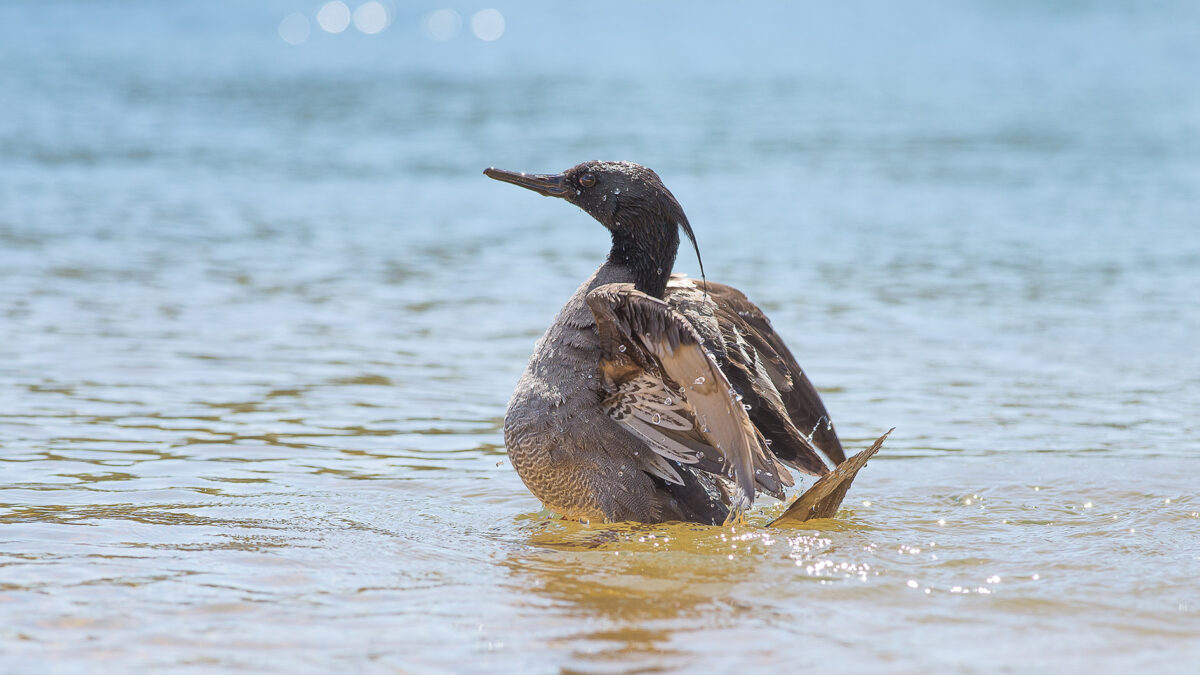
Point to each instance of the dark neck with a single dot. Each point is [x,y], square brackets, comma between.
[649,256]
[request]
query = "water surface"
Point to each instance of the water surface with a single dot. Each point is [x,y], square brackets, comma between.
[261,315]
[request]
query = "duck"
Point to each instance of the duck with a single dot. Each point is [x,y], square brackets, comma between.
[653,397]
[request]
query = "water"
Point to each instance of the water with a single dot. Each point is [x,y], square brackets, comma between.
[261,315]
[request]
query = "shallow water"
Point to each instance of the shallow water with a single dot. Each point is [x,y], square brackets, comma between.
[261,317]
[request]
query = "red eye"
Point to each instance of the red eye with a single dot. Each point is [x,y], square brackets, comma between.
[587,180]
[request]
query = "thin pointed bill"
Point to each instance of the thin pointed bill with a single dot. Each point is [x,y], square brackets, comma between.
[550,185]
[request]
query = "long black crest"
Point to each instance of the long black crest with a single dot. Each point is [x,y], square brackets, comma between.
[687,229]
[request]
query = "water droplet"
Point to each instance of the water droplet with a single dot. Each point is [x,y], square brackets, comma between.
[657,418]
[621,349]
[577,193]
[698,380]
[745,406]
[767,441]
[659,271]
[617,191]
[669,401]
[604,198]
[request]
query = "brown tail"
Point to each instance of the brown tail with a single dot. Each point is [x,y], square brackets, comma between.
[825,496]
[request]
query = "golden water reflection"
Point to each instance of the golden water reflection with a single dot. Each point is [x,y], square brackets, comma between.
[639,591]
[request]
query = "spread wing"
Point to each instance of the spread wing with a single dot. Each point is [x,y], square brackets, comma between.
[665,387]
[784,405]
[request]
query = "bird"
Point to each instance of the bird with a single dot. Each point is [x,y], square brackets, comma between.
[654,397]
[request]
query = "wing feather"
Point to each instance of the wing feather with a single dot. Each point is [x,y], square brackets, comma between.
[661,443]
[642,337]
[786,408]
[656,465]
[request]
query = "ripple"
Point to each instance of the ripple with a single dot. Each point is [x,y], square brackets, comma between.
[260,325]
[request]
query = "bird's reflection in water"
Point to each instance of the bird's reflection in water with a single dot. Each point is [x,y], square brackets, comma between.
[629,599]
[639,591]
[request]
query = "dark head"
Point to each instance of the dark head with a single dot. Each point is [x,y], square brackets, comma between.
[631,201]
